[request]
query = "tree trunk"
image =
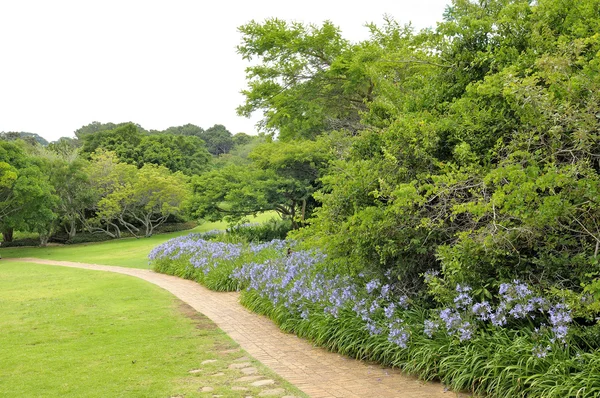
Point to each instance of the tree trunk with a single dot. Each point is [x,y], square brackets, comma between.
[133,230]
[71,229]
[293,215]
[7,234]
[117,233]
[44,239]
[303,210]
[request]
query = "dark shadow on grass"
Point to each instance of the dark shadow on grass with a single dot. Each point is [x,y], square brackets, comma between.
[201,321]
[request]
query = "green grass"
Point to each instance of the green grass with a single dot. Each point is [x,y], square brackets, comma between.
[80,333]
[129,252]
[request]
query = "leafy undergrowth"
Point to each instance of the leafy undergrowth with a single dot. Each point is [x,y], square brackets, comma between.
[79,333]
[516,344]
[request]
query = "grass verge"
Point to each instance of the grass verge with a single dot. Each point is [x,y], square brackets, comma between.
[79,333]
[128,252]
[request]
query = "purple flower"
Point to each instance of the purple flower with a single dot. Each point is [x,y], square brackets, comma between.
[465,331]
[430,327]
[373,329]
[482,310]
[451,318]
[385,290]
[372,285]
[389,310]
[463,300]
[540,352]
[398,334]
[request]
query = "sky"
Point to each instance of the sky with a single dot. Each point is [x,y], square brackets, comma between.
[65,64]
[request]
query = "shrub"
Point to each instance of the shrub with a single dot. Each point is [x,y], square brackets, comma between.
[265,232]
[22,242]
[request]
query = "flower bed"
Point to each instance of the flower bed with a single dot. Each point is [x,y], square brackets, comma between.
[515,344]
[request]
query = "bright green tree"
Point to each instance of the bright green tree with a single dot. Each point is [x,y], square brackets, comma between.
[137,199]
[27,199]
[304,79]
[282,176]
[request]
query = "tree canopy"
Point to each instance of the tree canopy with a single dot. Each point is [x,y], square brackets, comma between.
[185,153]
[471,149]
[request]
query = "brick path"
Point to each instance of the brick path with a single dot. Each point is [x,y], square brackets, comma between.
[317,372]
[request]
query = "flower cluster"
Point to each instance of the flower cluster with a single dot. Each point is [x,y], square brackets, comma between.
[297,280]
[205,254]
[517,303]
[182,246]
[276,244]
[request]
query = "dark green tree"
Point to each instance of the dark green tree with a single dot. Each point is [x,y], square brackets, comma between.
[218,139]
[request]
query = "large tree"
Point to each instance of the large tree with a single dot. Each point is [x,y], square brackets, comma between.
[282,176]
[185,153]
[27,199]
[304,78]
[218,139]
[138,200]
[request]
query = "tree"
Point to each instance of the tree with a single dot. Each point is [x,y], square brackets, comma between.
[32,138]
[132,198]
[305,80]
[186,129]
[27,198]
[96,127]
[122,140]
[281,177]
[72,186]
[218,139]
[186,153]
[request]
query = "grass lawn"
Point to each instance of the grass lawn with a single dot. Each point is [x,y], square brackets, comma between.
[128,252]
[79,333]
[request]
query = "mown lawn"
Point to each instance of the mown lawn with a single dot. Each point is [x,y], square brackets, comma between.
[129,252]
[79,333]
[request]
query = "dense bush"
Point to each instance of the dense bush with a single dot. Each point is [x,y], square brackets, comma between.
[261,232]
[22,242]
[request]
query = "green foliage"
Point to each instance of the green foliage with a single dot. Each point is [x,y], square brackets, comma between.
[281,177]
[31,138]
[261,232]
[186,129]
[479,156]
[27,198]
[185,153]
[218,139]
[133,197]
[96,127]
[303,82]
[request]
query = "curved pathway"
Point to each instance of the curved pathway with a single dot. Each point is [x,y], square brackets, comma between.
[316,371]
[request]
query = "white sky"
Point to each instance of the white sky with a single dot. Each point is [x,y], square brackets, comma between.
[163,63]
